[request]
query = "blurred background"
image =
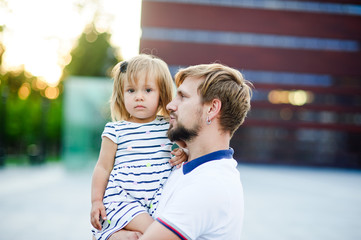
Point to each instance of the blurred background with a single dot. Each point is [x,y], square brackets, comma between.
[299,150]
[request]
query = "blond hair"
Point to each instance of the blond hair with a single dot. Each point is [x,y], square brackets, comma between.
[141,66]
[227,85]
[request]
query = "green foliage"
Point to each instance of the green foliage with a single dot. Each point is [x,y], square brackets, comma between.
[35,122]
[93,55]
[22,119]
[32,120]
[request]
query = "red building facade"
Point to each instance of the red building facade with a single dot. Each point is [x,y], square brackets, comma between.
[303,57]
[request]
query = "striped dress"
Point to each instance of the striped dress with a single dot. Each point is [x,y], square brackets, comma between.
[140,169]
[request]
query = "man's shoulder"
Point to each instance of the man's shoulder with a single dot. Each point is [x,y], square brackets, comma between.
[216,174]
[217,168]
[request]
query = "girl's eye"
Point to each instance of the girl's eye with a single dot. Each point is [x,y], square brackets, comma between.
[130,90]
[148,90]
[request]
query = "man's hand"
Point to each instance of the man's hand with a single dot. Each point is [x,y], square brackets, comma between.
[97,211]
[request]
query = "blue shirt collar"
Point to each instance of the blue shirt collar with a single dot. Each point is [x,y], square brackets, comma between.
[217,155]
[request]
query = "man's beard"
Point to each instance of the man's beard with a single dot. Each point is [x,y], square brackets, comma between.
[181,133]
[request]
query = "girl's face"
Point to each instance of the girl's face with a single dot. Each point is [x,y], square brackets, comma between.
[142,99]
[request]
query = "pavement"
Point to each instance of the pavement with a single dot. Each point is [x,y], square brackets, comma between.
[52,202]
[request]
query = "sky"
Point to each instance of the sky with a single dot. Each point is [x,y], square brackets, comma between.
[39,34]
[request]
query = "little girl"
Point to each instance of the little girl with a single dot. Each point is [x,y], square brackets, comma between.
[135,154]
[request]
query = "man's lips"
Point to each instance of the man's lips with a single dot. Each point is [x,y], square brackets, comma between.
[172,117]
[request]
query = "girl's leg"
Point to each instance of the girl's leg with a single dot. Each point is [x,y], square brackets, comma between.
[125,235]
[140,223]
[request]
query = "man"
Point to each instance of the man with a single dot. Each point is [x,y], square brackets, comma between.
[204,198]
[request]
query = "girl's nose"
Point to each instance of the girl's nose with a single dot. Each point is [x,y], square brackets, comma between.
[139,96]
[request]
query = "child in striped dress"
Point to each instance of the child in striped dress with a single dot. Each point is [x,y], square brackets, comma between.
[135,155]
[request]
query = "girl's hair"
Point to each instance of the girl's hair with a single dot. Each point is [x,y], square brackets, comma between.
[141,66]
[226,84]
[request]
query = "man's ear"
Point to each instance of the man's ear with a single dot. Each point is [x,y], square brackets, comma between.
[214,108]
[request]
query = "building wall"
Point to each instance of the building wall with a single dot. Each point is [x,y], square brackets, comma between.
[303,57]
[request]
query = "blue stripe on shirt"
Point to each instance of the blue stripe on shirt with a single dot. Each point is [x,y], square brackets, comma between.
[143,153]
[145,132]
[145,173]
[143,139]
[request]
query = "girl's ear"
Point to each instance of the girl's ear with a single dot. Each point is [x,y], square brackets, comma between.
[214,108]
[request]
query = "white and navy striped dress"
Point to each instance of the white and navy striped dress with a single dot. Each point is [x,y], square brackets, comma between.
[140,169]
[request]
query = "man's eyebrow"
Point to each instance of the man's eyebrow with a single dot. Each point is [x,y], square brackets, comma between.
[181,92]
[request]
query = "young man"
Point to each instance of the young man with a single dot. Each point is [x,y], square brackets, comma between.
[204,198]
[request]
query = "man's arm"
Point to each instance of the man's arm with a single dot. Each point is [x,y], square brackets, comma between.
[157,231]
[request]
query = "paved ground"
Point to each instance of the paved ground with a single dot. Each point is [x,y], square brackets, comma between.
[301,203]
[49,202]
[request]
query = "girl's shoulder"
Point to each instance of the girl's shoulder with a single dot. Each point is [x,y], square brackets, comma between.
[111,130]
[117,124]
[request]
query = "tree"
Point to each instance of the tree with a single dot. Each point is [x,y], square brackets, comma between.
[93,54]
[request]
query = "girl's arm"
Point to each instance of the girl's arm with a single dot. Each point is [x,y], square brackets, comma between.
[100,180]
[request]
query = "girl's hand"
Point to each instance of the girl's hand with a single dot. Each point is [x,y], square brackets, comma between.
[181,144]
[179,157]
[97,211]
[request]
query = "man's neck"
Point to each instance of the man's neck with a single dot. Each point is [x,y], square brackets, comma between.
[206,143]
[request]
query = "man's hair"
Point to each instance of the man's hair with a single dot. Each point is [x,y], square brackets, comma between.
[227,85]
[141,66]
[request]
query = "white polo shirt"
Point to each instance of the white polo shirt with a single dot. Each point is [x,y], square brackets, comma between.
[204,199]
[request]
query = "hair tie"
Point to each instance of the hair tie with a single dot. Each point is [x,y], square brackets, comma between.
[123,67]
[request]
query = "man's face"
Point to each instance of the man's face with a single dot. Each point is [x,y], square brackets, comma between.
[185,112]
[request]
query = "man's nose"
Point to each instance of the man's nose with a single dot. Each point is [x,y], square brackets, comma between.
[171,106]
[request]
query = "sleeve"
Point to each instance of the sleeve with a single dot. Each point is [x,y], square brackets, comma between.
[110,132]
[195,210]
